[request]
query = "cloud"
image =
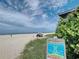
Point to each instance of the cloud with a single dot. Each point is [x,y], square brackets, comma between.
[13,17]
[20,20]
[59,3]
[34,4]
[12,20]
[40,6]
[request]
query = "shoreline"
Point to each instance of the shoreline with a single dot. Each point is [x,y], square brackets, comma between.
[24,33]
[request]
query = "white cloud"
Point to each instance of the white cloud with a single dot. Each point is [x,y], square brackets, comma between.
[17,19]
[13,17]
[59,3]
[13,20]
[34,4]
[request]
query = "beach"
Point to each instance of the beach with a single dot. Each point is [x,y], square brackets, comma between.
[12,46]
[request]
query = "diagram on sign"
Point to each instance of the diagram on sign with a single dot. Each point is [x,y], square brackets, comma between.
[55,50]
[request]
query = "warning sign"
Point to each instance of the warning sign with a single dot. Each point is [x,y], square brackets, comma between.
[56,49]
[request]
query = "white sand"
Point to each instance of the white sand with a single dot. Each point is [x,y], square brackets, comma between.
[10,48]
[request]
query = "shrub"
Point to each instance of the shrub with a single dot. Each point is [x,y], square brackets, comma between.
[68,28]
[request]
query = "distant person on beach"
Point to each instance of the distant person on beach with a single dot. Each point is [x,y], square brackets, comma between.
[11,35]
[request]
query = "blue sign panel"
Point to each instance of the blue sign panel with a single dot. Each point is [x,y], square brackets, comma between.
[56,49]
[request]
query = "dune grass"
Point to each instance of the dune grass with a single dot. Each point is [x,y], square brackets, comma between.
[35,50]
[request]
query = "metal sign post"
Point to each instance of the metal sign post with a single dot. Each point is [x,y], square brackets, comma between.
[56,48]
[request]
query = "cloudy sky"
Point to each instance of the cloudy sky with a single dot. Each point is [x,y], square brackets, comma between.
[22,16]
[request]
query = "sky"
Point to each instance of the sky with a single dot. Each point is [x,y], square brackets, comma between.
[23,16]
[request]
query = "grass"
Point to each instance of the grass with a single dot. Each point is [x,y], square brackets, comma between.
[35,50]
[51,35]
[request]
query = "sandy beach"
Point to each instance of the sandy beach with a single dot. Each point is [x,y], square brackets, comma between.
[11,47]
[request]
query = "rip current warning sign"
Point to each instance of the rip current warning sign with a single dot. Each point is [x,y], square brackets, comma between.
[56,49]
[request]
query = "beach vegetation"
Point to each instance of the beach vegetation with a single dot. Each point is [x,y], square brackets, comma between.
[35,49]
[68,28]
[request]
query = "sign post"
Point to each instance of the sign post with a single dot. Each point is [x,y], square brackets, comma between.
[56,48]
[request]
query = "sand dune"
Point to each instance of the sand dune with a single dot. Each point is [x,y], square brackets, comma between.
[11,47]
